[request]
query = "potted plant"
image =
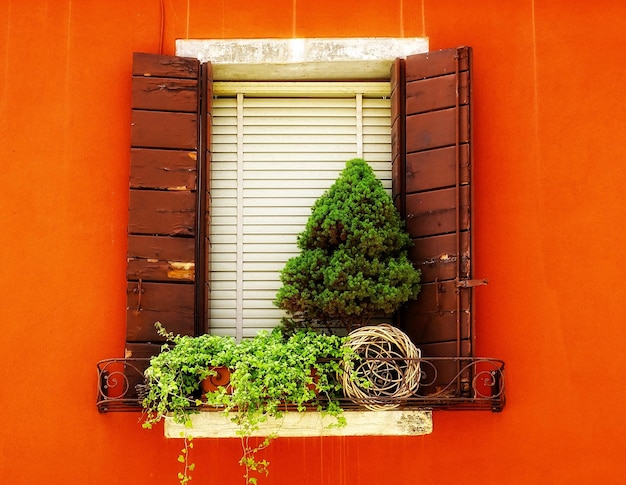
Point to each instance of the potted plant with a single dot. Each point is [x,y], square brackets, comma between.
[270,374]
[173,377]
[353,263]
[274,373]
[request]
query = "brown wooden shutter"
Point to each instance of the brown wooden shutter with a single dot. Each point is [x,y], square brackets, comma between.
[167,223]
[431,134]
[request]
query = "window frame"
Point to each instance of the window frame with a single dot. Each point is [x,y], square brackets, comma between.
[362,102]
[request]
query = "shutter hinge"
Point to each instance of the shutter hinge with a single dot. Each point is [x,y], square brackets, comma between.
[139,291]
[470,283]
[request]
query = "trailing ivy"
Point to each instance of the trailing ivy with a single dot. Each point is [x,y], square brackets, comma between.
[270,374]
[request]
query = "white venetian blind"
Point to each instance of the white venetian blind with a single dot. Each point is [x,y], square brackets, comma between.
[272,157]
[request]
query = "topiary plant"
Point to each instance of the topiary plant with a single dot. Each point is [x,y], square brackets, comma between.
[353,263]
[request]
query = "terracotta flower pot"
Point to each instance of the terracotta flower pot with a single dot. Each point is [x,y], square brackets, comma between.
[214,382]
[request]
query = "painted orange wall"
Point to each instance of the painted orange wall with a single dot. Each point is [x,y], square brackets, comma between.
[550,120]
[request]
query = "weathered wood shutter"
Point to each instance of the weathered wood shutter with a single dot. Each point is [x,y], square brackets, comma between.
[432,156]
[167,227]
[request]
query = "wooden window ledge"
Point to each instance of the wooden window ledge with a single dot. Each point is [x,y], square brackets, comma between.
[303,424]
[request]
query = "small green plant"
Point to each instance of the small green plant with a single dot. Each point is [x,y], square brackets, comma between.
[173,376]
[274,373]
[353,263]
[270,374]
[185,475]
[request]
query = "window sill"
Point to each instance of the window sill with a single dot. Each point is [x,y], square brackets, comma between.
[308,424]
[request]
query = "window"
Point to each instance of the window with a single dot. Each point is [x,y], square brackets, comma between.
[170,244]
[272,157]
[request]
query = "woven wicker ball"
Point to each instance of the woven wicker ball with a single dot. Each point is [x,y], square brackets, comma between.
[388,363]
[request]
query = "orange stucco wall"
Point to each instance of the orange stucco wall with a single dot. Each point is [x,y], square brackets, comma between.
[550,118]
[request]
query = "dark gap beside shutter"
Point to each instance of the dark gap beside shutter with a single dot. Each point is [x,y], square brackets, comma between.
[398,148]
[167,170]
[203,199]
[432,189]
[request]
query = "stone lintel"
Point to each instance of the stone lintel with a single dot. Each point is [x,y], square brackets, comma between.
[301,58]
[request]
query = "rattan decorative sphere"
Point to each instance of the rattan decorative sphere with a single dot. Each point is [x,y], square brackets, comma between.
[389,365]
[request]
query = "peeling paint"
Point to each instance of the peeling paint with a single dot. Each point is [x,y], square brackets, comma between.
[416,424]
[181,270]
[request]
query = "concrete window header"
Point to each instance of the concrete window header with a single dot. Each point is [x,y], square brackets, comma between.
[301,59]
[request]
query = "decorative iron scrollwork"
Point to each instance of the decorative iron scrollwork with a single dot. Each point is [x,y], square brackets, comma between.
[121,383]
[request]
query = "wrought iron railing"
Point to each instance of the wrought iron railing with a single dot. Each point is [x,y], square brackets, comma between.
[120,384]
[450,383]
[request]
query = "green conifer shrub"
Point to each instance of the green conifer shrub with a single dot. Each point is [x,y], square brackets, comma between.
[353,263]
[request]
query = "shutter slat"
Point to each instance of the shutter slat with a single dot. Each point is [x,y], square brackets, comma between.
[170,304]
[164,94]
[423,169]
[437,63]
[148,270]
[163,129]
[156,258]
[434,314]
[162,169]
[149,65]
[163,248]
[435,212]
[436,129]
[436,93]
[435,256]
[162,212]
